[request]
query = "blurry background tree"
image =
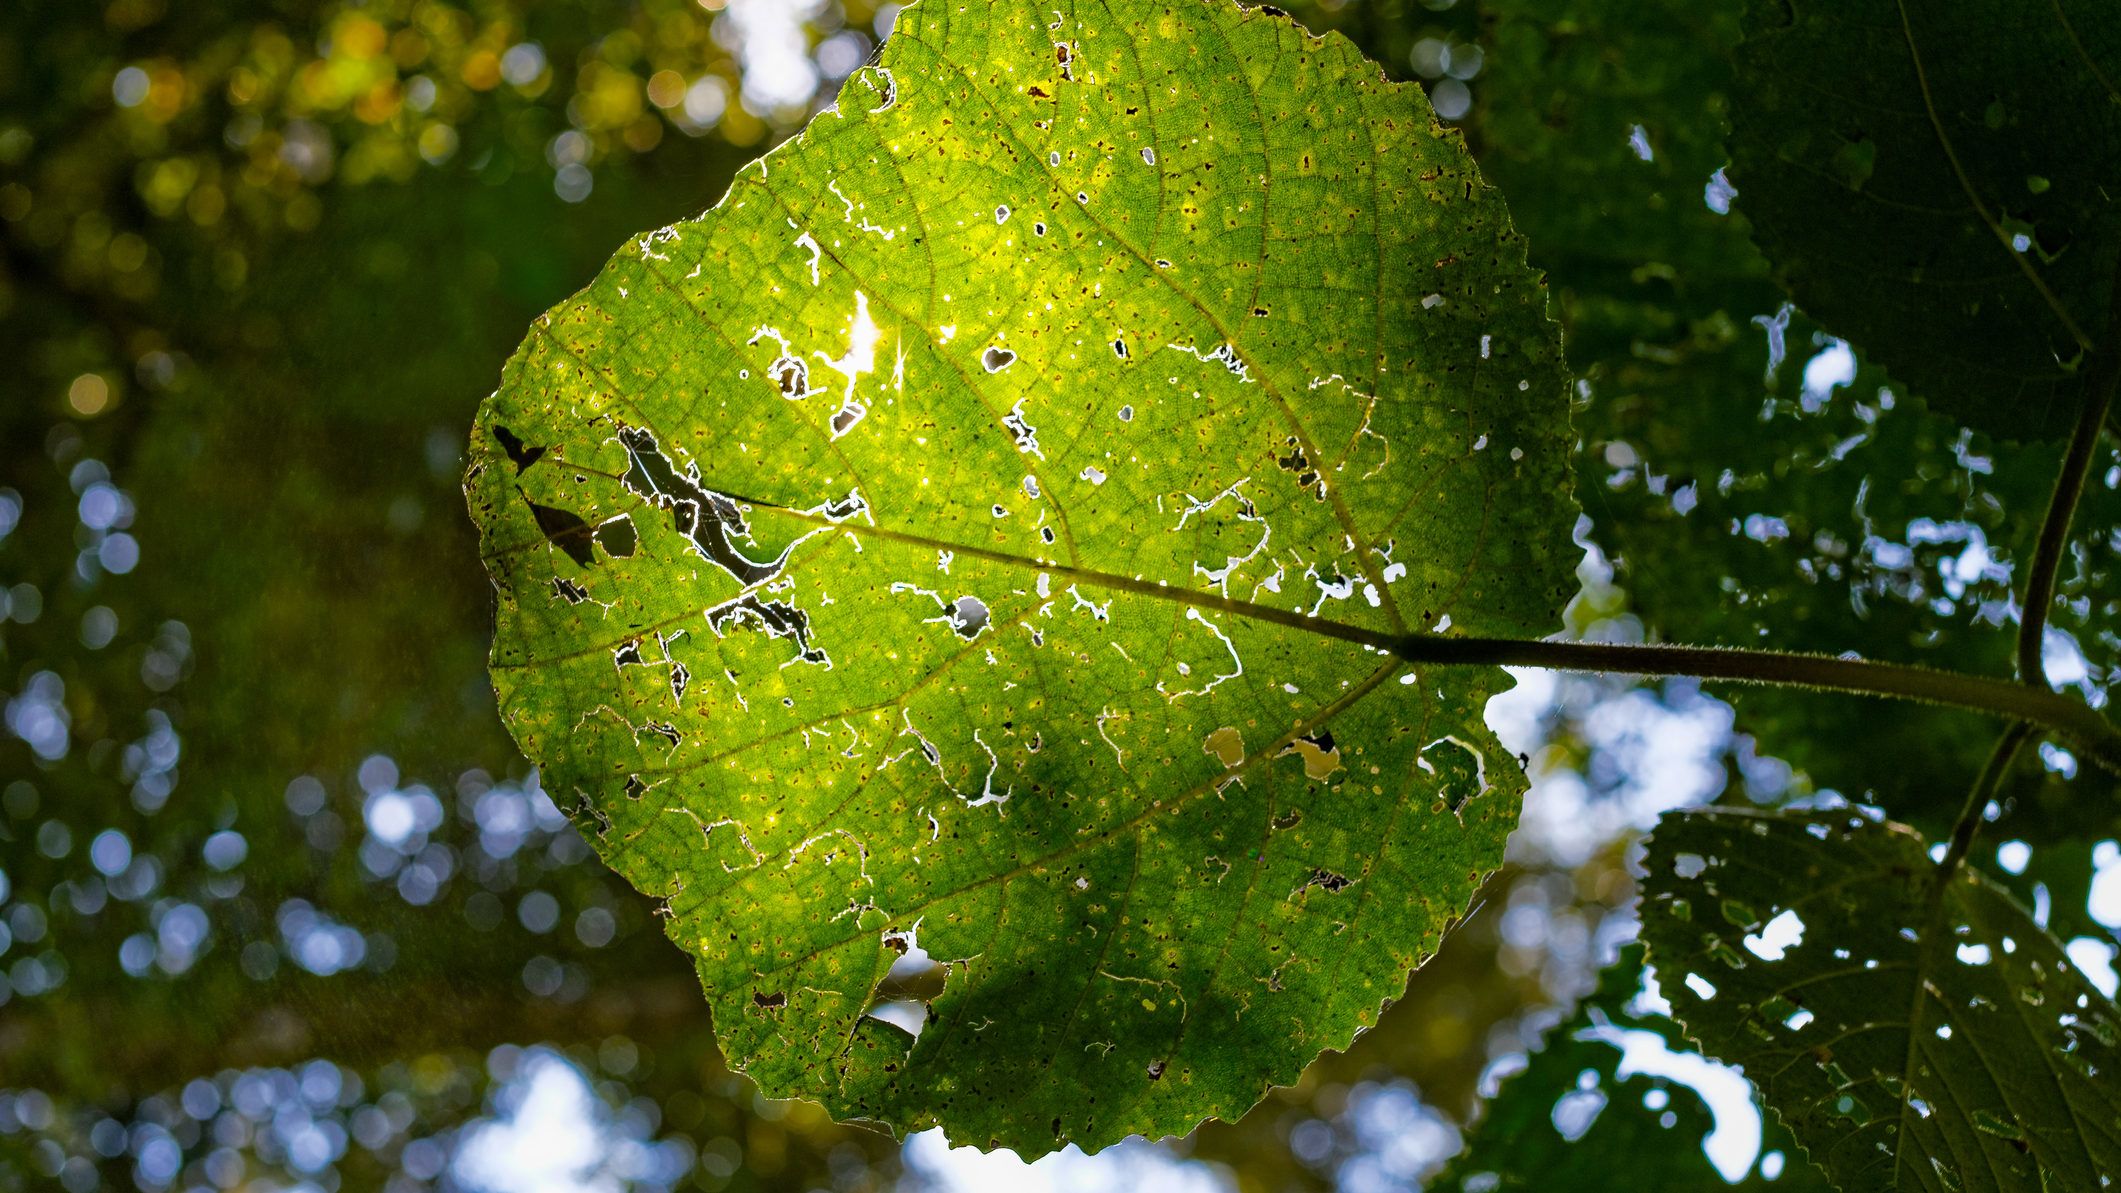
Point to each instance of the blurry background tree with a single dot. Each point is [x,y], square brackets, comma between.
[280,906]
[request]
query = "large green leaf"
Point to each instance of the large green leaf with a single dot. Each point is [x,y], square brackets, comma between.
[953,539]
[1911,1038]
[1935,182]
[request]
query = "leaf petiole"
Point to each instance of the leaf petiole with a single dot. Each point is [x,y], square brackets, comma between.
[2062,507]
[2063,715]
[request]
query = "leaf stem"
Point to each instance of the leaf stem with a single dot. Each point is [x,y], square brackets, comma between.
[2067,717]
[2061,509]
[2040,576]
[1977,800]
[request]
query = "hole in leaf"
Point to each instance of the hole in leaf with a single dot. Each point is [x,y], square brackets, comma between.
[523,456]
[968,616]
[618,537]
[564,530]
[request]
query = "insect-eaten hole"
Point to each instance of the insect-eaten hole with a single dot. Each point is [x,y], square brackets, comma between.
[994,360]
[564,530]
[914,980]
[618,537]
[1298,461]
[906,1014]
[1321,757]
[524,456]
[1457,769]
[791,376]
[845,417]
[968,616]
[1327,880]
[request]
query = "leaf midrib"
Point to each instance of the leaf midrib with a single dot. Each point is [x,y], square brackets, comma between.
[1324,626]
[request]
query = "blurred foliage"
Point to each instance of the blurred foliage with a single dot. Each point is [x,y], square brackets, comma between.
[248,626]
[242,622]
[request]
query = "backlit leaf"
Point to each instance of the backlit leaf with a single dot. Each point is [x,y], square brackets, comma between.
[971,540]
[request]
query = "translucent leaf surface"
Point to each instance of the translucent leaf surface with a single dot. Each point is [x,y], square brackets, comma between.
[1909,1042]
[1934,182]
[960,543]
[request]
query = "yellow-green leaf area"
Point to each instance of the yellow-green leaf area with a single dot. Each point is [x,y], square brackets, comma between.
[973,539]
